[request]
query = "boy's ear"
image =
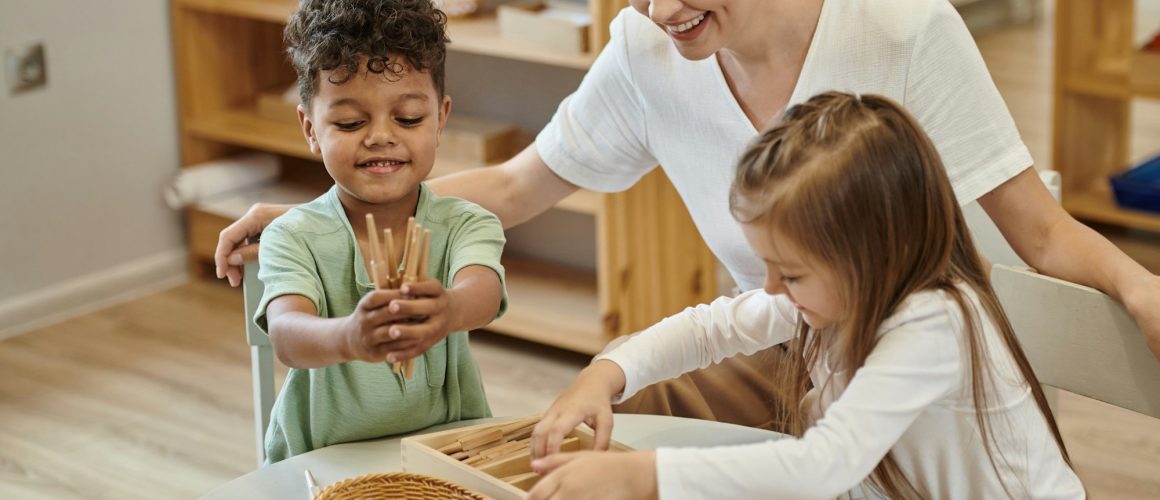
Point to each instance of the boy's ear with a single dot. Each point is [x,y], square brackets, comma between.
[444,112]
[308,129]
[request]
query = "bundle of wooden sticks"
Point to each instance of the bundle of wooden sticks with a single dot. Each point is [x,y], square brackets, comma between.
[385,269]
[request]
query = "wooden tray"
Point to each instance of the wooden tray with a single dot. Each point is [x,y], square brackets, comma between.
[504,475]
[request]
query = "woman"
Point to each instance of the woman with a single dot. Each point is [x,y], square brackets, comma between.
[687,84]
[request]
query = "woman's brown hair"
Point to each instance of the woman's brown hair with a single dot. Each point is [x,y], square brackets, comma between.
[859,186]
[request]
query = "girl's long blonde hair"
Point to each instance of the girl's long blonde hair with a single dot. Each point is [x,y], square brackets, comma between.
[859,186]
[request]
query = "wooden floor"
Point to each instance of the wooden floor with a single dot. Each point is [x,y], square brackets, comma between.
[151,399]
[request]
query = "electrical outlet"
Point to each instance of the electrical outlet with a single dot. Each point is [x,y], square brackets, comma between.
[25,67]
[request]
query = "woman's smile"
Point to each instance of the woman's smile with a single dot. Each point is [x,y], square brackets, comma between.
[688,30]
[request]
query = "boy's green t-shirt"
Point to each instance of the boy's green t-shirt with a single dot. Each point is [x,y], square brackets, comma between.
[312,251]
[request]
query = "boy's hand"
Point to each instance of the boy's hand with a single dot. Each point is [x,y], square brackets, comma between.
[428,314]
[588,400]
[367,329]
[595,475]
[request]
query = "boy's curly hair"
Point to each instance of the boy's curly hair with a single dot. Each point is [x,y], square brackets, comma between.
[324,35]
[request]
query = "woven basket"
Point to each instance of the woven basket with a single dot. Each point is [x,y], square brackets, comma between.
[397,485]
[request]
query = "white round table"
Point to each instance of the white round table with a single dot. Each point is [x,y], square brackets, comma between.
[286,480]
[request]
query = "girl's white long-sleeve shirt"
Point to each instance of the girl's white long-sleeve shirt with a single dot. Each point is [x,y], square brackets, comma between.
[913,397]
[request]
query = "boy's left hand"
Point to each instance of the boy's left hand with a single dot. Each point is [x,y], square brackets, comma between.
[430,310]
[596,475]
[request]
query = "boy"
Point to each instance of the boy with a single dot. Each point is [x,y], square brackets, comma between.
[370,76]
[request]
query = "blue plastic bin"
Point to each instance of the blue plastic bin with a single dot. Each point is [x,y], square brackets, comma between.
[1139,188]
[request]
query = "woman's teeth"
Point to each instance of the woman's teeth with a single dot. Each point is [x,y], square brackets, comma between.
[681,28]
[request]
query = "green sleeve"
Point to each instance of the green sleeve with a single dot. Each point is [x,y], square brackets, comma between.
[479,241]
[285,267]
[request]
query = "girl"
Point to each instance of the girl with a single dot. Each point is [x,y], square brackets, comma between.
[905,365]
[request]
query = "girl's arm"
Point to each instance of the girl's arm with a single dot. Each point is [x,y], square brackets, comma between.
[913,366]
[691,339]
[703,335]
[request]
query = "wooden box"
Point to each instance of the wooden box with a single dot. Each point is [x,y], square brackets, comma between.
[504,475]
[559,26]
[477,140]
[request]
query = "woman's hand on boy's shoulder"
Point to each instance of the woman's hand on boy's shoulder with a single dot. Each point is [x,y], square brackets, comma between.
[596,475]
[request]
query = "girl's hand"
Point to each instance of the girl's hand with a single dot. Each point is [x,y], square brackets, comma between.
[596,475]
[427,314]
[366,331]
[588,400]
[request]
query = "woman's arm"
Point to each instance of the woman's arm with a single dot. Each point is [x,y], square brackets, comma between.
[516,190]
[1054,243]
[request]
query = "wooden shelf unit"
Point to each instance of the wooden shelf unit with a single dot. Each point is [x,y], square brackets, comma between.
[650,259]
[1098,72]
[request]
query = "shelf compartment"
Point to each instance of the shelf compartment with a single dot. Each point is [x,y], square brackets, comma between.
[553,305]
[474,35]
[1097,204]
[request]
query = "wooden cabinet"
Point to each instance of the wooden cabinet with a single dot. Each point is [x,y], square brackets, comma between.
[1098,71]
[650,260]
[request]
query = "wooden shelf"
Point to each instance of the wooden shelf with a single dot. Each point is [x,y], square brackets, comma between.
[243,127]
[1102,88]
[273,11]
[1099,69]
[1098,205]
[474,35]
[552,305]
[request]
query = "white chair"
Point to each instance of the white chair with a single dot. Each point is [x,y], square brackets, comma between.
[261,360]
[1079,340]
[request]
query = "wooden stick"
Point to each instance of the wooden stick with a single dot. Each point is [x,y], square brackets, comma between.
[392,265]
[454,447]
[374,270]
[407,242]
[480,438]
[375,247]
[511,464]
[516,425]
[424,254]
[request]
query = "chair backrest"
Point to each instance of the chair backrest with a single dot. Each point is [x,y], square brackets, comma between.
[1079,340]
[261,360]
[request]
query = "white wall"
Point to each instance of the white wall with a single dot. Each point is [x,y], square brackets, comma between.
[82,161]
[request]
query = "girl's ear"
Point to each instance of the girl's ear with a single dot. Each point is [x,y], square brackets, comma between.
[308,131]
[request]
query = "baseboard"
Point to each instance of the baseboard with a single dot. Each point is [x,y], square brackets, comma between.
[95,291]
